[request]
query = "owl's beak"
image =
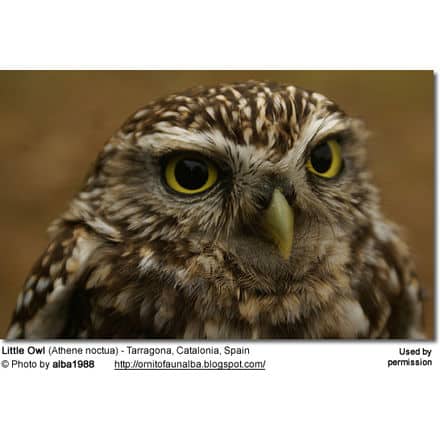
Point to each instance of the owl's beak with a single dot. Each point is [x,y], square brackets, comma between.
[278,223]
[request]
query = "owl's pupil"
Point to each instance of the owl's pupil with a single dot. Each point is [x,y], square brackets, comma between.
[191,174]
[321,158]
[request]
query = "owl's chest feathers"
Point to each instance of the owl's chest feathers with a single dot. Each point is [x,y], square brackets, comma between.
[206,300]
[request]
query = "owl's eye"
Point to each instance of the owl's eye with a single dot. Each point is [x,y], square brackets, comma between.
[189,174]
[326,159]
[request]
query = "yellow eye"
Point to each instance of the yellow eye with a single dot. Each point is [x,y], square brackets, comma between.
[326,159]
[189,174]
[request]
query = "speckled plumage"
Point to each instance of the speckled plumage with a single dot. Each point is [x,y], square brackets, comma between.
[130,259]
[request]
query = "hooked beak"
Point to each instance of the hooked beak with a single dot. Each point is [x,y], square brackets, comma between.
[278,223]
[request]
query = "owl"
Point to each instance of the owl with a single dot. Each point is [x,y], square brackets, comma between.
[236,211]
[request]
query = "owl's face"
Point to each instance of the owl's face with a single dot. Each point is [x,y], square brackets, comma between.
[262,177]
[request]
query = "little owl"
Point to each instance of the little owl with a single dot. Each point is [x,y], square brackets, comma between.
[237,211]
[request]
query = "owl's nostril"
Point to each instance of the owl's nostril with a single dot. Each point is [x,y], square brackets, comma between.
[263,199]
[287,190]
[290,195]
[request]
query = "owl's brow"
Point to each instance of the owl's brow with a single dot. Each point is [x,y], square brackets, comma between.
[315,134]
[341,129]
[211,143]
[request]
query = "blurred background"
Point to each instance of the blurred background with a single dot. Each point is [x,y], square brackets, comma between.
[53,123]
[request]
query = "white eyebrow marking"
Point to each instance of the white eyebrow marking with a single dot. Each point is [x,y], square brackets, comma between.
[317,128]
[208,141]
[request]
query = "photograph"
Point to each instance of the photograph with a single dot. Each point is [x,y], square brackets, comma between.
[219,220]
[217,204]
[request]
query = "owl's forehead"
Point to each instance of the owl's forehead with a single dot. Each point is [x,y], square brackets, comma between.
[258,114]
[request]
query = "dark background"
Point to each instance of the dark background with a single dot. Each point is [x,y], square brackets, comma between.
[52,125]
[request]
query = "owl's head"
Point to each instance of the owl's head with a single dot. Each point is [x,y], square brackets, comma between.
[265,178]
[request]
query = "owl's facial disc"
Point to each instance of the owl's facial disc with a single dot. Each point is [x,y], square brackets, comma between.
[278,223]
